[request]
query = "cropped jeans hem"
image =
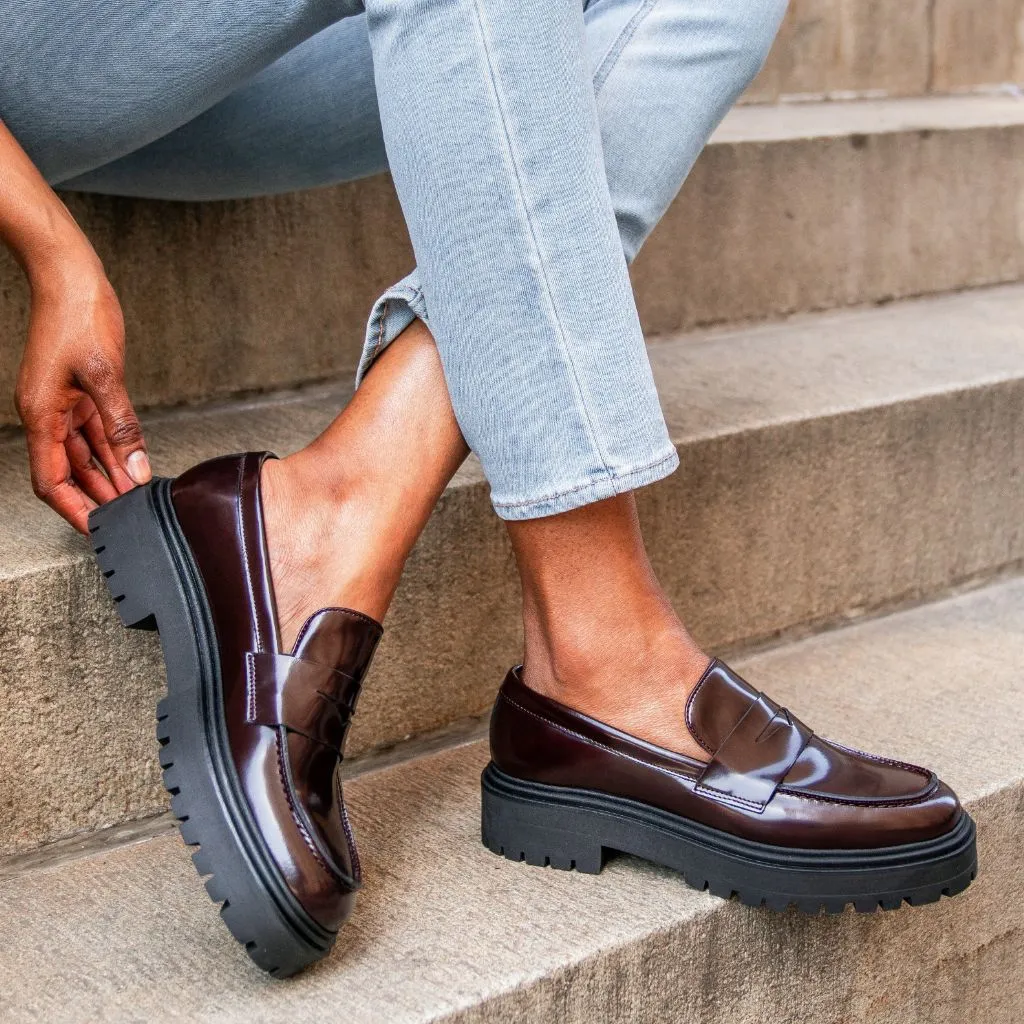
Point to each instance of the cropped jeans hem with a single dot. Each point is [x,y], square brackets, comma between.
[396,309]
[391,314]
[584,494]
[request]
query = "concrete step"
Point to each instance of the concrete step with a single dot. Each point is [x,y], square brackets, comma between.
[830,464]
[846,48]
[445,931]
[798,207]
[792,208]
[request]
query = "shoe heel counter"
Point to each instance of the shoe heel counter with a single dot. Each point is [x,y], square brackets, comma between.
[207,489]
[500,730]
[523,743]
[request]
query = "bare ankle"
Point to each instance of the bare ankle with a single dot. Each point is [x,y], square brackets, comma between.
[628,653]
[323,549]
[601,635]
[634,673]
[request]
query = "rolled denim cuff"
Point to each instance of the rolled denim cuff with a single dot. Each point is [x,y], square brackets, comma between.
[605,486]
[391,314]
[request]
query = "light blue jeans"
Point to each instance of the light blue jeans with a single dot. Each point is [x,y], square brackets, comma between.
[534,144]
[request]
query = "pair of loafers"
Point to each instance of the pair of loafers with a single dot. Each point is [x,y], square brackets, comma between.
[252,736]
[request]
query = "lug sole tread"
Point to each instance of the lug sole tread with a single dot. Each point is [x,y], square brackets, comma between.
[522,831]
[215,856]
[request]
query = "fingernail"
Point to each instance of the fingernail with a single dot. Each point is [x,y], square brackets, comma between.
[138,468]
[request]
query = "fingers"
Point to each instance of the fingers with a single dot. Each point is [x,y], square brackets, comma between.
[52,480]
[104,384]
[91,427]
[84,471]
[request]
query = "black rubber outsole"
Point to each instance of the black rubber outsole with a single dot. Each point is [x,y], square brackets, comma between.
[576,829]
[152,577]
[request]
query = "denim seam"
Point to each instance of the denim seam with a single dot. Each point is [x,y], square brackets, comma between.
[581,398]
[608,62]
[615,478]
[380,332]
[377,346]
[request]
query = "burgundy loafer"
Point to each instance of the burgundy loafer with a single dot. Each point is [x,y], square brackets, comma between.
[251,735]
[777,816]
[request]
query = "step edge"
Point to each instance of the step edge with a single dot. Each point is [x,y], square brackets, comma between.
[71,560]
[751,123]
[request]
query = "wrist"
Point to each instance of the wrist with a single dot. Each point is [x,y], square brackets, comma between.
[50,246]
[61,264]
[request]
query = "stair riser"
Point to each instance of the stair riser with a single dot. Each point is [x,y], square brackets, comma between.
[759,531]
[942,964]
[892,48]
[273,292]
[768,228]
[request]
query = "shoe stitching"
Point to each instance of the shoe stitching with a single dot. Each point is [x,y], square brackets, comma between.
[711,794]
[250,687]
[729,798]
[350,613]
[845,802]
[303,831]
[906,801]
[760,805]
[280,744]
[353,851]
[245,552]
[782,788]
[343,709]
[904,765]
[587,739]
[687,717]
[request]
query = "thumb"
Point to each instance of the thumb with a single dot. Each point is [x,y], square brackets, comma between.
[121,427]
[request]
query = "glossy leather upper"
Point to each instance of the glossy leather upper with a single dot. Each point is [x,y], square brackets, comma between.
[287,712]
[767,777]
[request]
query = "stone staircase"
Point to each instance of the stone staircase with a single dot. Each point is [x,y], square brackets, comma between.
[847,521]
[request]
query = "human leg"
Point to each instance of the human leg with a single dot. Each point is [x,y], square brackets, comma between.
[86,82]
[676,62]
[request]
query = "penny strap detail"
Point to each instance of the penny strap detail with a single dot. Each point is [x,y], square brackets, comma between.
[756,756]
[302,696]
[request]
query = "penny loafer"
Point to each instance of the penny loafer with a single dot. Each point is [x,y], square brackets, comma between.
[776,816]
[251,735]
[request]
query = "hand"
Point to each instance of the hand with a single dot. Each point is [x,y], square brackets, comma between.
[84,440]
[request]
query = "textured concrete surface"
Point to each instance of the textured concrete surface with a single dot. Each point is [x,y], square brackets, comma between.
[829,464]
[445,931]
[839,47]
[975,43]
[843,48]
[812,206]
[795,121]
[791,208]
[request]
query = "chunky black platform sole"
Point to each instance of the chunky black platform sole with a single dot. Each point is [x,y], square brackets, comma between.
[152,577]
[576,828]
